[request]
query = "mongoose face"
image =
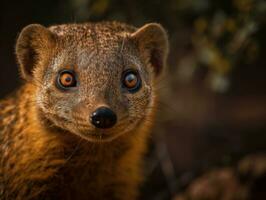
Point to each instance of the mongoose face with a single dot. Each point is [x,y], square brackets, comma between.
[93,80]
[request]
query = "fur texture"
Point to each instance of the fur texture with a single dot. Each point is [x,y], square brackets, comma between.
[48,148]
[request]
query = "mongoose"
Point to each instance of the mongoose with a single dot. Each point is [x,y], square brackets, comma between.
[78,126]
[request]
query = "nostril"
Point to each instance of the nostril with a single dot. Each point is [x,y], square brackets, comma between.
[103,118]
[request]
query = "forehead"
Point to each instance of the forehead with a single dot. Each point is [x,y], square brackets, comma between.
[96,44]
[103,36]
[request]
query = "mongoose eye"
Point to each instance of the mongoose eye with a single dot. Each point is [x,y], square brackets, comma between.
[131,80]
[66,79]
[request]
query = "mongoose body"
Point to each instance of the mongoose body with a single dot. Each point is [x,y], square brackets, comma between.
[78,127]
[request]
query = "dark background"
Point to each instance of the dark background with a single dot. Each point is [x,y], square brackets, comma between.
[212,113]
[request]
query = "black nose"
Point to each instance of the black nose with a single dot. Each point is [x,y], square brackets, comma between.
[103,117]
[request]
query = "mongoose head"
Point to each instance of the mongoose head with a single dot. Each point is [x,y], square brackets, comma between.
[95,80]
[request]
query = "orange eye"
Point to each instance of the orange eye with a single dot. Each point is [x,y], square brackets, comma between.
[66,79]
[131,80]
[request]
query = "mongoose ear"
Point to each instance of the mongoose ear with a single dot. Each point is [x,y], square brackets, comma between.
[34,42]
[152,42]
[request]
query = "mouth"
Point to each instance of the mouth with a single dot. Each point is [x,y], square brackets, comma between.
[99,136]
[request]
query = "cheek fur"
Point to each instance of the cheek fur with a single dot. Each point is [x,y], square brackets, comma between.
[139,102]
[54,103]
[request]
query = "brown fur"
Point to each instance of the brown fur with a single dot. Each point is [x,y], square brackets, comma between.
[48,148]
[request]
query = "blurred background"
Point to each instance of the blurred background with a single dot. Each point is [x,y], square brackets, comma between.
[210,135]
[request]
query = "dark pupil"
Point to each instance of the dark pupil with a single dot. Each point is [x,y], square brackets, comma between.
[68,79]
[131,79]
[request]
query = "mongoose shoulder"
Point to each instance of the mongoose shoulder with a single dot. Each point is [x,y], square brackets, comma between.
[78,126]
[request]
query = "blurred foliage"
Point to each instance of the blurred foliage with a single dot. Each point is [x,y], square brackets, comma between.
[240,182]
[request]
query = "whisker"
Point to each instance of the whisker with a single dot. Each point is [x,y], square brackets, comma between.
[122,46]
[73,152]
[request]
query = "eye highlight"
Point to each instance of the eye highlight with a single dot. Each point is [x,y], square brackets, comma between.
[66,79]
[131,80]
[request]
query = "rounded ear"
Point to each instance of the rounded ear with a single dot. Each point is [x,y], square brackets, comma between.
[33,44]
[153,45]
